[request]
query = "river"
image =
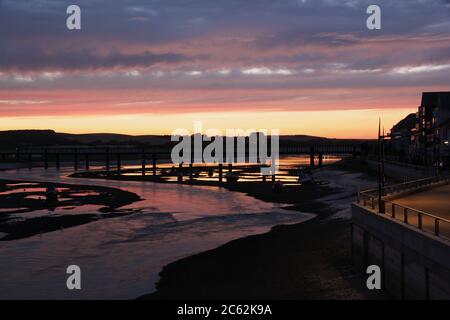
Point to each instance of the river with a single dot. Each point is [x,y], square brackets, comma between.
[120,258]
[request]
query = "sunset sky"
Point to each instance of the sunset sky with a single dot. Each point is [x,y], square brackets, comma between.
[149,67]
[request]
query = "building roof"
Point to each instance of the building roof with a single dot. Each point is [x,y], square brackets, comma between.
[407,123]
[436,99]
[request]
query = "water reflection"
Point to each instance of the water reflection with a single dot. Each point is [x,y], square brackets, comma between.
[121,257]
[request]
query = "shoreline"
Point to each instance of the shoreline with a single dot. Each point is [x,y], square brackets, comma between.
[308,260]
[19,198]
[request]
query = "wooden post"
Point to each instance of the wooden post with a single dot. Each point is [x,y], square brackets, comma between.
[311,157]
[320,160]
[86,159]
[180,172]
[273,178]
[119,162]
[220,173]
[230,167]
[143,162]
[154,164]
[191,169]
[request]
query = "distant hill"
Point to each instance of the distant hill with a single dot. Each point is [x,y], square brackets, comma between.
[15,138]
[102,138]
[23,138]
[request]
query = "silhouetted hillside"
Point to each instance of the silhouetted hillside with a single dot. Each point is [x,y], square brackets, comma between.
[24,138]
[16,138]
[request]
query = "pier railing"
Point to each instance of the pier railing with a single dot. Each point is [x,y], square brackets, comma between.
[424,221]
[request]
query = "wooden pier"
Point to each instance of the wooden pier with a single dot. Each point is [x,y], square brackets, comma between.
[110,156]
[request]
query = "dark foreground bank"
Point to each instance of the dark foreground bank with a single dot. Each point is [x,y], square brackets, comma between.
[310,260]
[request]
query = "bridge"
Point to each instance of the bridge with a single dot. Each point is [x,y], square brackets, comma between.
[82,156]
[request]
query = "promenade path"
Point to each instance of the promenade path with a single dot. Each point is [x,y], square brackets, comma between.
[435,201]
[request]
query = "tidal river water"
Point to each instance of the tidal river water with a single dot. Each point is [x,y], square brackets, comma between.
[120,258]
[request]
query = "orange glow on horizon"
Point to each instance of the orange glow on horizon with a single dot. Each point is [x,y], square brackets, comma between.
[355,124]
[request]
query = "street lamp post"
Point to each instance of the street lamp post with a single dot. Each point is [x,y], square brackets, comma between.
[381,155]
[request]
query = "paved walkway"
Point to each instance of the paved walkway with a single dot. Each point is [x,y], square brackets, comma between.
[435,201]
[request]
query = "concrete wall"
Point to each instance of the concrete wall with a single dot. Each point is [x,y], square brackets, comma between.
[415,265]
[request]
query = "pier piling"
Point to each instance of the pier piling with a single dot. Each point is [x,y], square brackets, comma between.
[220,173]
[154,164]
[311,157]
[191,171]
[143,163]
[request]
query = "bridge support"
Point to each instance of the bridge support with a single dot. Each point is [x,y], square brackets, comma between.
[311,157]
[143,163]
[220,173]
[154,164]
[320,160]
[191,169]
[180,172]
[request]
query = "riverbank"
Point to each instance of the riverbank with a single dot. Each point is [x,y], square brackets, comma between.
[310,260]
[24,211]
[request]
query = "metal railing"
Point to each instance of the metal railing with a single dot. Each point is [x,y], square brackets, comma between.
[424,221]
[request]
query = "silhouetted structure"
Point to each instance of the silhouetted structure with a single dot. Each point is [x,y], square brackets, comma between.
[429,132]
[401,134]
